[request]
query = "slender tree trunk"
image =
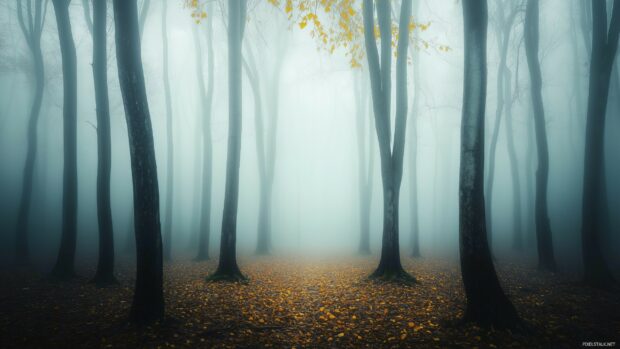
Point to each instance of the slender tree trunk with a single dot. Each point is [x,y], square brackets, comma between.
[207,145]
[391,159]
[531,151]
[105,265]
[32,34]
[170,145]
[546,260]
[604,47]
[264,214]
[517,227]
[363,149]
[413,147]
[148,300]
[227,268]
[64,267]
[486,302]
[270,144]
[503,42]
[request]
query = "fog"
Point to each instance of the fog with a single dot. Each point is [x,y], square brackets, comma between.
[315,203]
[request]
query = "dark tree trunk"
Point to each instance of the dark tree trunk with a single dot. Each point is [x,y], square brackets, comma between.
[170,145]
[105,266]
[32,34]
[227,268]
[604,47]
[148,300]
[64,267]
[207,145]
[546,260]
[391,160]
[487,304]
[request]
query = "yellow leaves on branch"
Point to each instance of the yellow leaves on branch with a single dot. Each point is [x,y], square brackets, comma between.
[196,7]
[338,24]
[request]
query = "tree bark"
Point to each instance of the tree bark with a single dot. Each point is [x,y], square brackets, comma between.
[170,142]
[105,266]
[32,35]
[148,300]
[390,267]
[546,259]
[227,269]
[64,267]
[604,47]
[487,304]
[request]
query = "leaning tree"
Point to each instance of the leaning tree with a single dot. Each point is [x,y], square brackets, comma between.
[31,23]
[487,303]
[148,300]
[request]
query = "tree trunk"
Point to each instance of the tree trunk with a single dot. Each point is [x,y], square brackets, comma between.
[390,267]
[32,34]
[227,268]
[170,145]
[604,46]
[64,268]
[207,144]
[364,151]
[487,304]
[546,260]
[517,227]
[413,148]
[503,41]
[105,265]
[148,300]
[264,214]
[529,169]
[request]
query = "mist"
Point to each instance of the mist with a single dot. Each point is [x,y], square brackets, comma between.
[332,169]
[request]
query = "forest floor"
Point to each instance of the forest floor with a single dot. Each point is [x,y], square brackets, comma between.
[296,303]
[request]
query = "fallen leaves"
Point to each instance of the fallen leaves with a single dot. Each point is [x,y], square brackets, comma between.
[303,305]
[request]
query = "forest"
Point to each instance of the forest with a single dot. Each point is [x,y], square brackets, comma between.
[309,173]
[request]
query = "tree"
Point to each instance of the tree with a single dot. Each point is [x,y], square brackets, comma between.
[227,269]
[365,158]
[31,25]
[105,265]
[486,302]
[148,300]
[206,94]
[64,267]
[266,132]
[170,145]
[546,260]
[391,157]
[504,29]
[604,45]
[413,148]
[143,11]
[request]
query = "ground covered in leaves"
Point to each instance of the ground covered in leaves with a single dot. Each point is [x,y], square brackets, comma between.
[303,304]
